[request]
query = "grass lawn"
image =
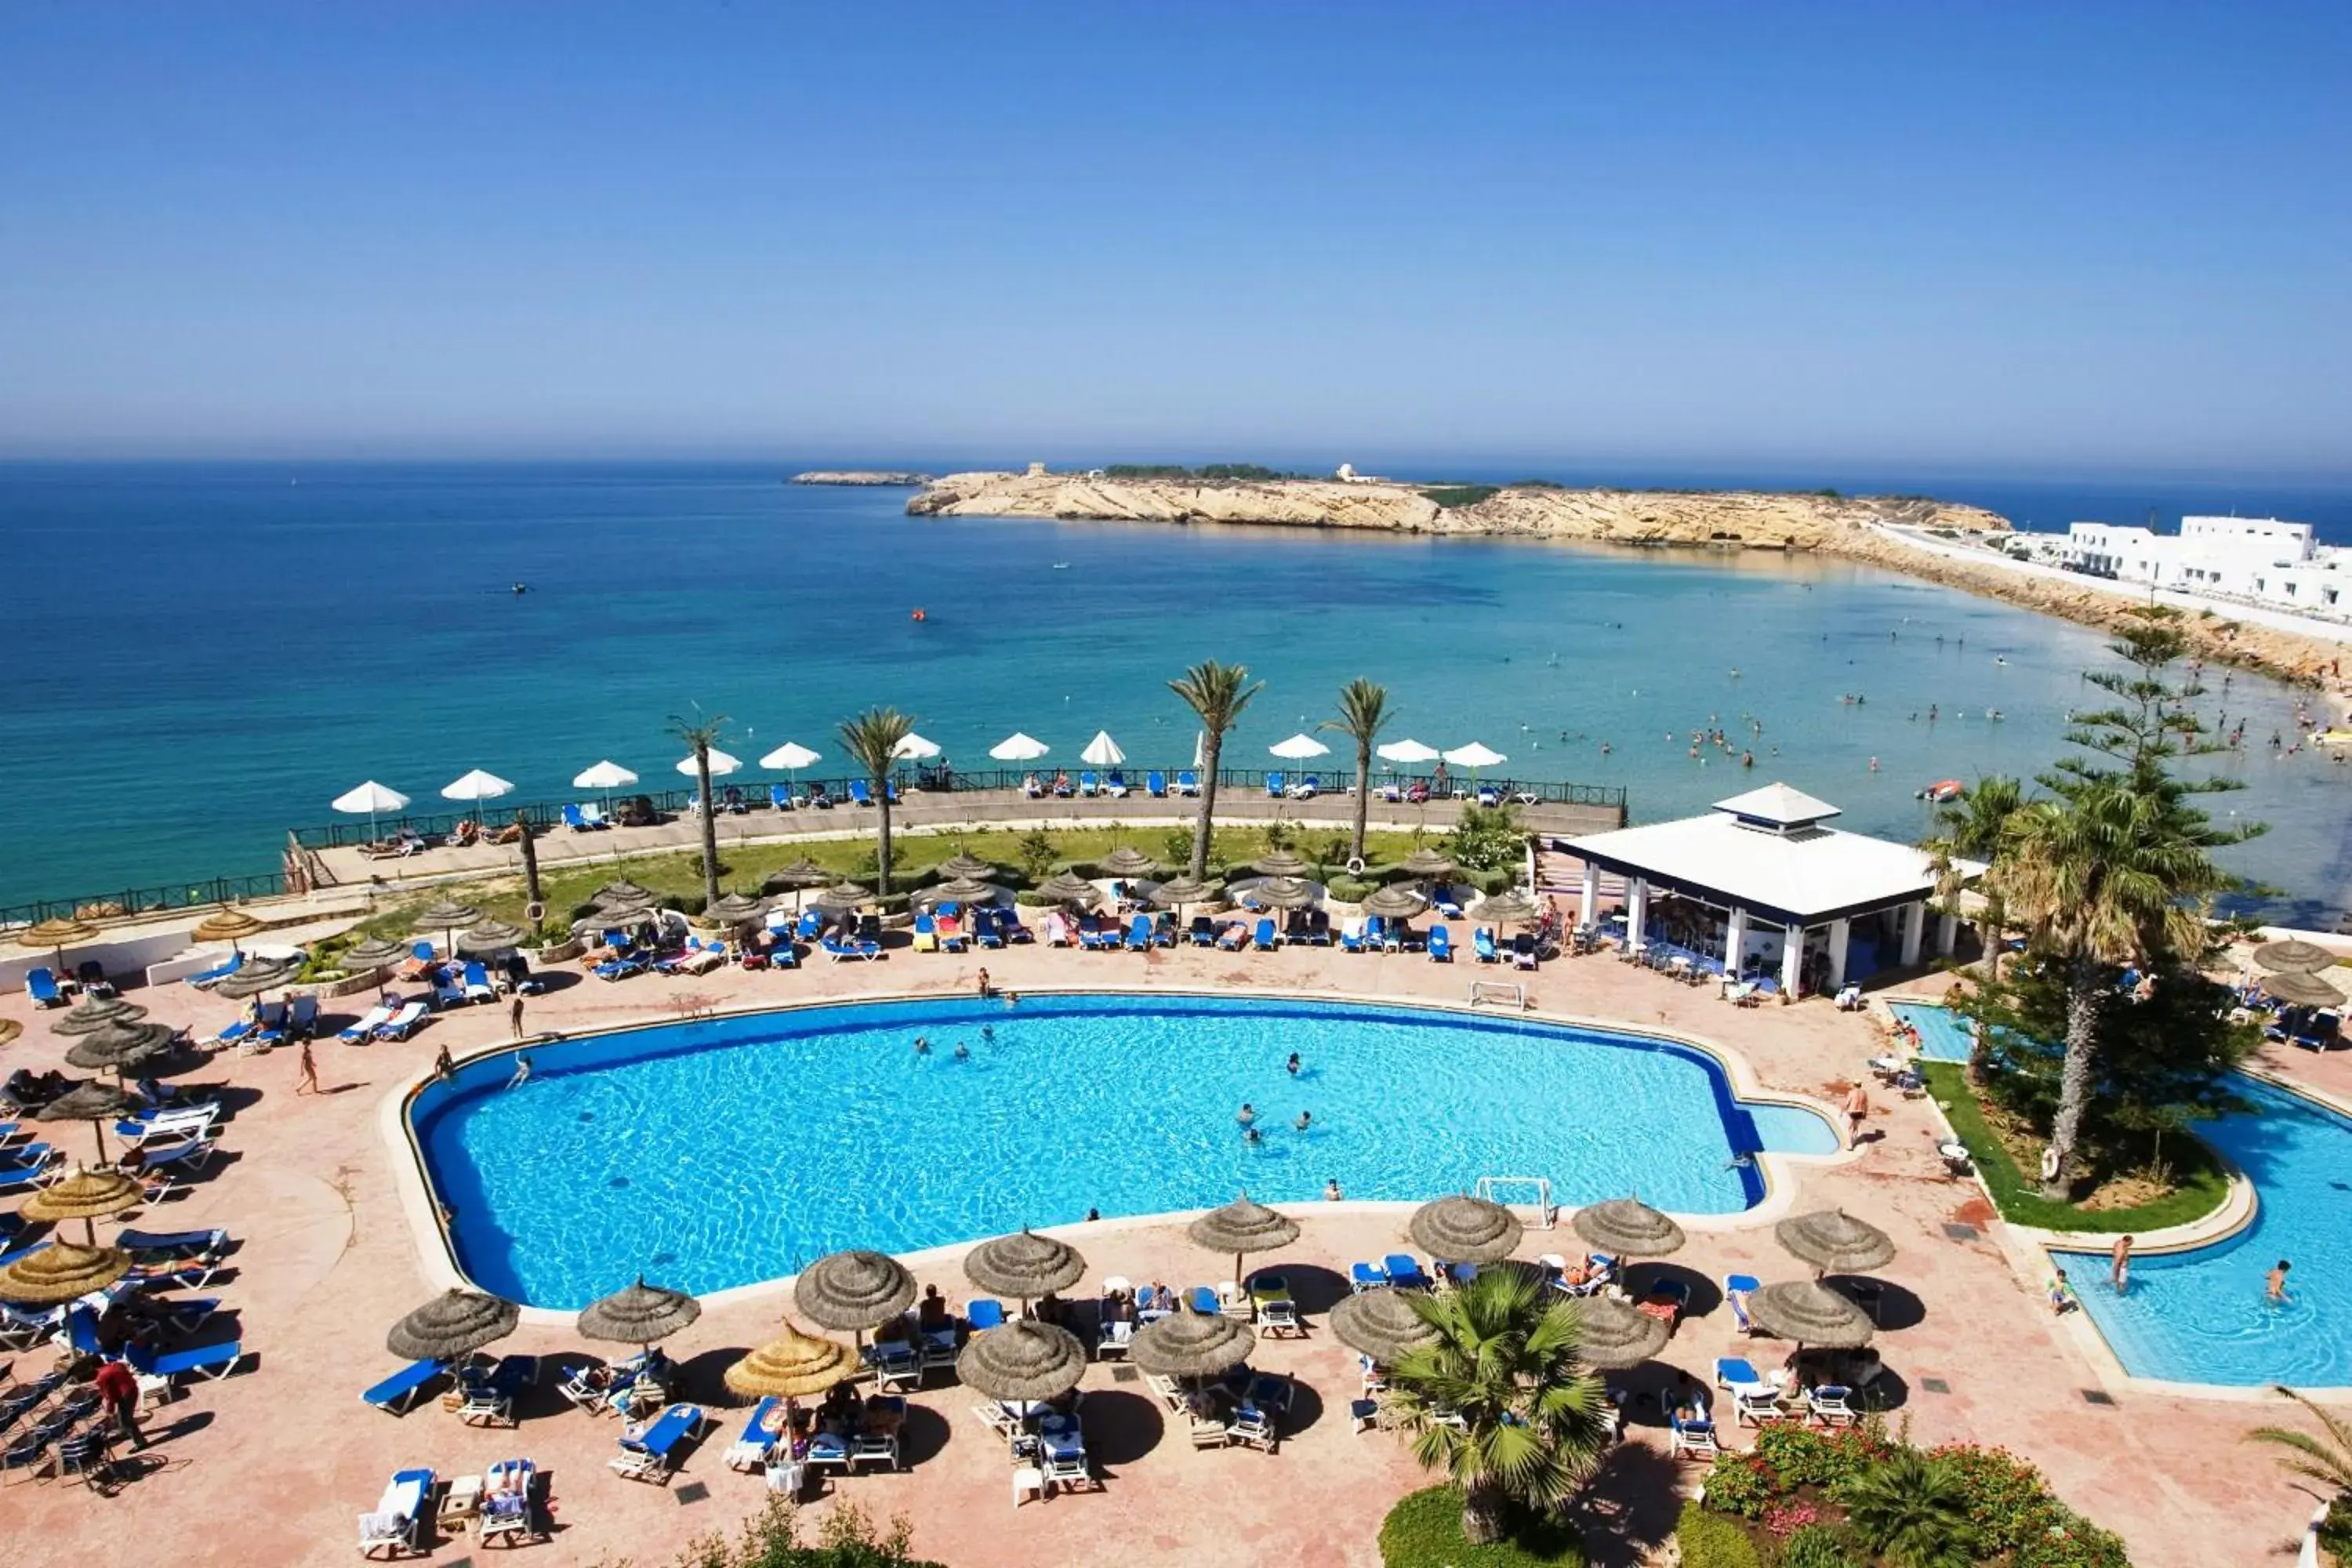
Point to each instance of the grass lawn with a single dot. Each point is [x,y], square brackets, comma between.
[2200,1183]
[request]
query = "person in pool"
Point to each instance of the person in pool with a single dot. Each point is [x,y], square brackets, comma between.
[521,1072]
[922,1045]
[1331,1191]
[1246,1114]
[1292,1064]
[1250,1136]
[2274,1284]
[1305,1117]
[962,1052]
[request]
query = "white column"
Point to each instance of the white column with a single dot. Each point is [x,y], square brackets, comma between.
[1637,914]
[1947,934]
[1915,926]
[1587,904]
[1841,933]
[1735,942]
[1792,959]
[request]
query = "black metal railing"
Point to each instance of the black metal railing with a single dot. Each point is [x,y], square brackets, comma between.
[146,900]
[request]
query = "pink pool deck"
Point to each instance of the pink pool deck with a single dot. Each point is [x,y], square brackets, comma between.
[273,1465]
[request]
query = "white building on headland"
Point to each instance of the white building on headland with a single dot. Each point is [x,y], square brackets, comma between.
[2261,560]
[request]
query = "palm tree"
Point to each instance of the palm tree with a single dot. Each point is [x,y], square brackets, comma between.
[1913,1511]
[1970,829]
[1499,1400]
[873,739]
[700,733]
[2328,1460]
[1217,693]
[1363,714]
[2116,871]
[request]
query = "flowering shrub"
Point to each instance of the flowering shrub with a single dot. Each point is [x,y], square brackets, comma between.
[1808,1457]
[2013,1510]
[1742,1484]
[1785,1519]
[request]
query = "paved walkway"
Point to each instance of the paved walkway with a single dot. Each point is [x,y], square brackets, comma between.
[273,1465]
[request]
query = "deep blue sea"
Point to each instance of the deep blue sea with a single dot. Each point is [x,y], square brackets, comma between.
[202,656]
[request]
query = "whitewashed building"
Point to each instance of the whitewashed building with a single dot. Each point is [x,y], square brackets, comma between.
[2261,560]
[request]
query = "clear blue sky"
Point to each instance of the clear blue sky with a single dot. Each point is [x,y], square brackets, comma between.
[2041,235]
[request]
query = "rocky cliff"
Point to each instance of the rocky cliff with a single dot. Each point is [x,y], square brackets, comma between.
[1723,520]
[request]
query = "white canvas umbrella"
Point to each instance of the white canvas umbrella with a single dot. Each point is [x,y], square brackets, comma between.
[604,775]
[1019,748]
[371,797]
[1475,756]
[1199,748]
[720,764]
[1407,752]
[1299,747]
[790,756]
[1102,752]
[914,748]
[476,787]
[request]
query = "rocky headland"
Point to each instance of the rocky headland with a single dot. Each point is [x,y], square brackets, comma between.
[1824,522]
[880,478]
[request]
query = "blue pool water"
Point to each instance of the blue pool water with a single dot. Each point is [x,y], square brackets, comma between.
[2200,1316]
[1943,1034]
[731,1151]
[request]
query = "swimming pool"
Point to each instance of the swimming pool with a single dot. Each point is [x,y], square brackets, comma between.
[729,1150]
[1943,1034]
[2200,1316]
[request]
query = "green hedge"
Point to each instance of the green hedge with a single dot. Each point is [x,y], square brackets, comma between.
[1424,1531]
[2203,1185]
[1712,1541]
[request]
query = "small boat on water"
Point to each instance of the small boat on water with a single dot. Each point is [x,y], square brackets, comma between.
[1943,791]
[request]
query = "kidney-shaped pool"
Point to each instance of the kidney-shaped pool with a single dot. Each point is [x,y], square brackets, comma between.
[729,1150]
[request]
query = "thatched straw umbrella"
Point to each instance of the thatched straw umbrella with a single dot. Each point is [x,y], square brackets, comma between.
[1022,1360]
[1069,887]
[960,891]
[1834,1242]
[796,879]
[1187,1344]
[2297,957]
[1281,894]
[1396,900]
[9,1029]
[638,1314]
[1617,1337]
[1242,1227]
[1810,1314]
[1178,891]
[623,891]
[255,976]
[960,864]
[1127,861]
[1380,1323]
[1463,1229]
[62,1271]
[453,1325]
[1024,1266]
[2302,990]
[842,897]
[376,952]
[87,1195]
[490,937]
[1504,908]
[735,909]
[792,1365]
[119,1047]
[856,1289]
[93,1012]
[447,916]
[1280,863]
[1628,1228]
[57,935]
[94,1102]
[1428,863]
[230,925]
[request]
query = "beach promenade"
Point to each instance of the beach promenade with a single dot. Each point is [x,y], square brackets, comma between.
[273,1465]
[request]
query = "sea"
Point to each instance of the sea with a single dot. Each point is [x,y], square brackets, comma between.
[204,655]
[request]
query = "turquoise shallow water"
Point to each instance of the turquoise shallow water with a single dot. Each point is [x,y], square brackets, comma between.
[211,654]
[1943,1036]
[2200,1316]
[720,1153]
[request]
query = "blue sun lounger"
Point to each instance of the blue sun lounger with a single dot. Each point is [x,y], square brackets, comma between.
[1263,938]
[1155,784]
[237,1031]
[1273,786]
[1441,945]
[218,972]
[401,1516]
[1139,934]
[574,820]
[621,965]
[986,931]
[983,1312]
[652,1455]
[41,984]
[860,792]
[402,1023]
[1187,782]
[1089,785]
[1092,937]
[1115,784]
[840,947]
[1482,944]
[1363,1276]
[477,982]
[172,1245]
[1404,1271]
[779,797]
[203,1360]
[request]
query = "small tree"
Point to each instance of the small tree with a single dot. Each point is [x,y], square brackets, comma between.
[2326,1460]
[1913,1511]
[700,733]
[1971,829]
[1217,693]
[1363,714]
[873,739]
[1486,837]
[1499,1400]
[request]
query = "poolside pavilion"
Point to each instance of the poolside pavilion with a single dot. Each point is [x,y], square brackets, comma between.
[1783,884]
